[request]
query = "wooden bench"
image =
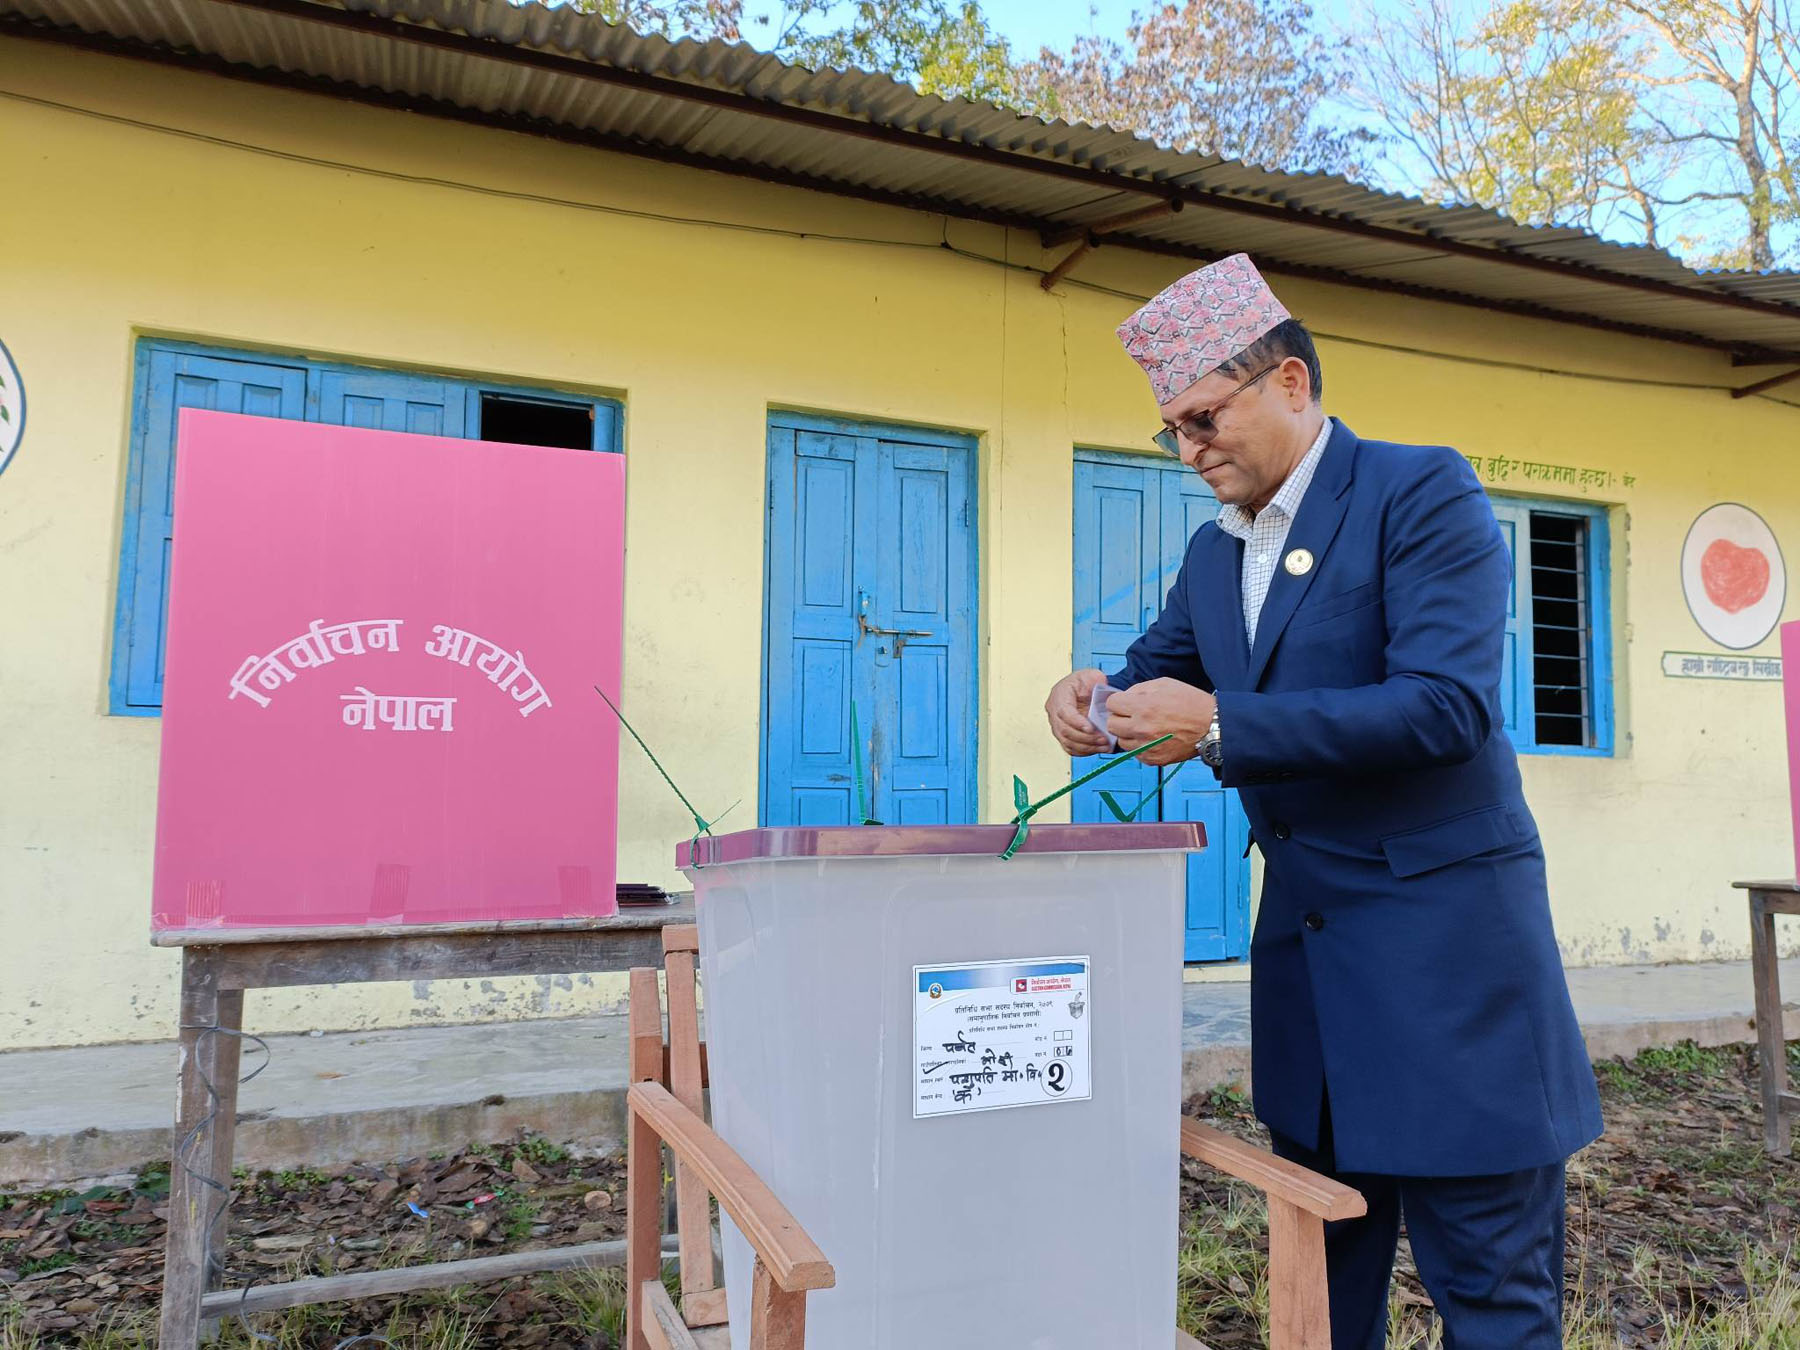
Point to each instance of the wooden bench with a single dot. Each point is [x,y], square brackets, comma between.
[664,1104]
[668,1079]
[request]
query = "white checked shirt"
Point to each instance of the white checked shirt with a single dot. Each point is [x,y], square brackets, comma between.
[1265,534]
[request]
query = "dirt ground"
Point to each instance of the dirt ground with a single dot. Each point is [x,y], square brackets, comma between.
[1683,1234]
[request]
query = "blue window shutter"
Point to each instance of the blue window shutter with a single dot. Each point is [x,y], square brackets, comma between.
[168,381]
[1516,670]
[608,434]
[389,400]
[1599,579]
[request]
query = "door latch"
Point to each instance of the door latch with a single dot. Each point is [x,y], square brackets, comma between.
[870,630]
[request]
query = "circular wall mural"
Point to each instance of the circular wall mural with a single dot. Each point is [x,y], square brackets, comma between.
[12,408]
[1733,576]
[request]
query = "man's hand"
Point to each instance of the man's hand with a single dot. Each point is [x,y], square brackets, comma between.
[1155,708]
[1067,710]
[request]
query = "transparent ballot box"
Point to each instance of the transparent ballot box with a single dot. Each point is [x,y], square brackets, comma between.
[961,1074]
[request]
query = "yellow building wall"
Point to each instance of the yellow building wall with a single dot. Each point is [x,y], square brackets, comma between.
[144,201]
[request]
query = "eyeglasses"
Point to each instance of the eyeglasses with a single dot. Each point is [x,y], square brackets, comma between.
[1200,427]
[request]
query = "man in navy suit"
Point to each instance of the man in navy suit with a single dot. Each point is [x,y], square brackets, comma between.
[1333,648]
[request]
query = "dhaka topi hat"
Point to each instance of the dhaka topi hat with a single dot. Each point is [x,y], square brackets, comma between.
[1201,322]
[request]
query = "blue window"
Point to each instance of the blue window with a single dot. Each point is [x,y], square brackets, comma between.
[171,376]
[1556,686]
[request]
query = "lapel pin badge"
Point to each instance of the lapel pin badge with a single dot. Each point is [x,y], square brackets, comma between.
[1299,562]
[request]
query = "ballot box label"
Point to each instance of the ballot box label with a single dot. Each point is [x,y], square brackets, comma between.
[996,1034]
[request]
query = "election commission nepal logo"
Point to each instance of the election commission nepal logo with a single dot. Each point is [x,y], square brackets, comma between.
[12,408]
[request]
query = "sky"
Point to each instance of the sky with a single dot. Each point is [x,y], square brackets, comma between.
[1031,24]
[1026,24]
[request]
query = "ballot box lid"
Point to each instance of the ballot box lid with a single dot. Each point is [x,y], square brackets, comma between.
[916,841]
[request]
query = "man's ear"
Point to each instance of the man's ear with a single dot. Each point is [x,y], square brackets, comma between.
[1296,382]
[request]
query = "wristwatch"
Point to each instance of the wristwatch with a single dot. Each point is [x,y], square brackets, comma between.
[1211,748]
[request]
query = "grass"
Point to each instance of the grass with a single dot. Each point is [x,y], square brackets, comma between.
[1658,1074]
[298,1179]
[574,1305]
[1222,1282]
[541,1152]
[517,1214]
[47,1263]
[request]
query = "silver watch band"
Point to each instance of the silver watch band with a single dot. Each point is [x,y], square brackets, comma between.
[1211,745]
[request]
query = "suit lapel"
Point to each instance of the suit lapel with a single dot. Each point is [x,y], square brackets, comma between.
[1224,649]
[1321,513]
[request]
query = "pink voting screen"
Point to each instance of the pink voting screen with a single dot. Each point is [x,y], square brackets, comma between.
[378,704]
[1790,696]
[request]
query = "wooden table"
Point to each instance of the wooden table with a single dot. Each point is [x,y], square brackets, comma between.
[1781,1108]
[218,965]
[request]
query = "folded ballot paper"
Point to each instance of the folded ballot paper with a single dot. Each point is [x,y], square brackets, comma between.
[1097,713]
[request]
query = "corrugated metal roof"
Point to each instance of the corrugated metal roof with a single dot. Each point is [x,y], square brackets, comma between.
[727,105]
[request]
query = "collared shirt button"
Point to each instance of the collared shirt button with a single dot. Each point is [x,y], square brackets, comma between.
[1282,832]
[1314,921]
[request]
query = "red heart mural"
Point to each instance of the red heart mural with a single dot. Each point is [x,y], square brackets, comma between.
[1736,578]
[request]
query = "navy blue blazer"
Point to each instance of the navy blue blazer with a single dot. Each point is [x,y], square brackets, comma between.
[1403,957]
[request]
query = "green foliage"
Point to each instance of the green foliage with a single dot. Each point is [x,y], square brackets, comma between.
[936,46]
[1243,78]
[296,1179]
[542,1152]
[1228,1100]
[1668,119]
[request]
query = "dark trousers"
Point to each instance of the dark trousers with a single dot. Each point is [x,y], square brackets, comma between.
[1489,1250]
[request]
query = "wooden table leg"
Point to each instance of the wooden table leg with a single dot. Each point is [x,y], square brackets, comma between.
[190,1201]
[221,1057]
[1771,1049]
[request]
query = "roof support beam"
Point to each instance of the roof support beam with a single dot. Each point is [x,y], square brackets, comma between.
[1762,385]
[1108,224]
[1062,269]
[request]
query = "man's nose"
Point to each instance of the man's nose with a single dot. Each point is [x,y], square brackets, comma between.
[1190,453]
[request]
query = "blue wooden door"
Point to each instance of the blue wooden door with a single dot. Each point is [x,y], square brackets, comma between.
[1119,589]
[168,382]
[1133,520]
[871,602]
